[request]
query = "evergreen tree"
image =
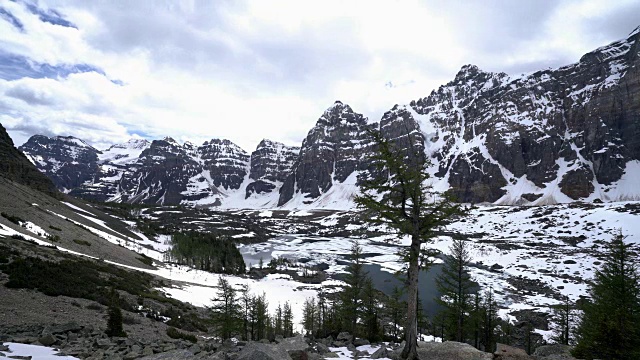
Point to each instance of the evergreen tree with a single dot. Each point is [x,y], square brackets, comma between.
[370,311]
[278,321]
[396,310]
[455,285]
[114,322]
[408,206]
[351,293]
[309,316]
[564,318]
[246,302]
[260,317]
[489,322]
[226,311]
[287,320]
[610,323]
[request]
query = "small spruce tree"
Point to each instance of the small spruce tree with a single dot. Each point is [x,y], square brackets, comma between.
[610,328]
[114,323]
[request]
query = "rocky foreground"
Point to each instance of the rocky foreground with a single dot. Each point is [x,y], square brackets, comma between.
[87,342]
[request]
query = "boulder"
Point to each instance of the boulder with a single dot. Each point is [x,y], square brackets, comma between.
[322,348]
[506,352]
[298,355]
[360,342]
[446,351]
[345,336]
[553,352]
[170,355]
[47,340]
[382,352]
[293,343]
[259,351]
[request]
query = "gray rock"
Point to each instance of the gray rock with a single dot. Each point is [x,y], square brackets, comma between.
[259,351]
[322,348]
[170,355]
[382,352]
[446,351]
[506,352]
[294,343]
[345,336]
[553,352]
[331,355]
[298,355]
[195,349]
[47,340]
[361,342]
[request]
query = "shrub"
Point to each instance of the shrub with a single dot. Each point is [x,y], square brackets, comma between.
[175,334]
[54,228]
[82,242]
[14,219]
[146,260]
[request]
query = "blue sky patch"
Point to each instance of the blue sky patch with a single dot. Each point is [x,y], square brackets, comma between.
[8,16]
[13,67]
[50,16]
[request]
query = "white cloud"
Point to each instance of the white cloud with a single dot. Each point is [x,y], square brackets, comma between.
[255,69]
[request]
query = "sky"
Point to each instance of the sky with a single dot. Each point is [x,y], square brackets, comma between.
[106,71]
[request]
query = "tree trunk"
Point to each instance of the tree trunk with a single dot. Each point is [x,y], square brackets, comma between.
[410,351]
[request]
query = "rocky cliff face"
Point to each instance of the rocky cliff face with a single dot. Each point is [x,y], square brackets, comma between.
[15,166]
[557,135]
[66,160]
[271,163]
[330,153]
[551,136]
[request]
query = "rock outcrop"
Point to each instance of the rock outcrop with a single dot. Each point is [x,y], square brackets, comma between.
[66,160]
[16,167]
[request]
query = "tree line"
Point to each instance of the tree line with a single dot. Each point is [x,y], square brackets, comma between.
[206,251]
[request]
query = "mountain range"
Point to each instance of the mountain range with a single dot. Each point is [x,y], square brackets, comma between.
[551,136]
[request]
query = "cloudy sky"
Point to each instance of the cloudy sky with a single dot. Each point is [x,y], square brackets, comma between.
[106,71]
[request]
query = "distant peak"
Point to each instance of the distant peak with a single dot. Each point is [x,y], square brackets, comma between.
[169,139]
[468,71]
[635,31]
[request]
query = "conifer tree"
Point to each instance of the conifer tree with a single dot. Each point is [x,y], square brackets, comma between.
[370,311]
[309,316]
[455,285]
[287,320]
[278,321]
[114,322]
[399,196]
[564,318]
[226,310]
[610,328]
[260,317]
[246,302]
[396,310]
[351,293]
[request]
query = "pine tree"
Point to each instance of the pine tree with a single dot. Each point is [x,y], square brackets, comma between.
[278,321]
[564,318]
[226,311]
[309,316]
[610,328]
[246,303]
[455,285]
[351,293]
[287,320]
[114,323]
[489,322]
[408,206]
[370,311]
[396,310]
[260,317]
